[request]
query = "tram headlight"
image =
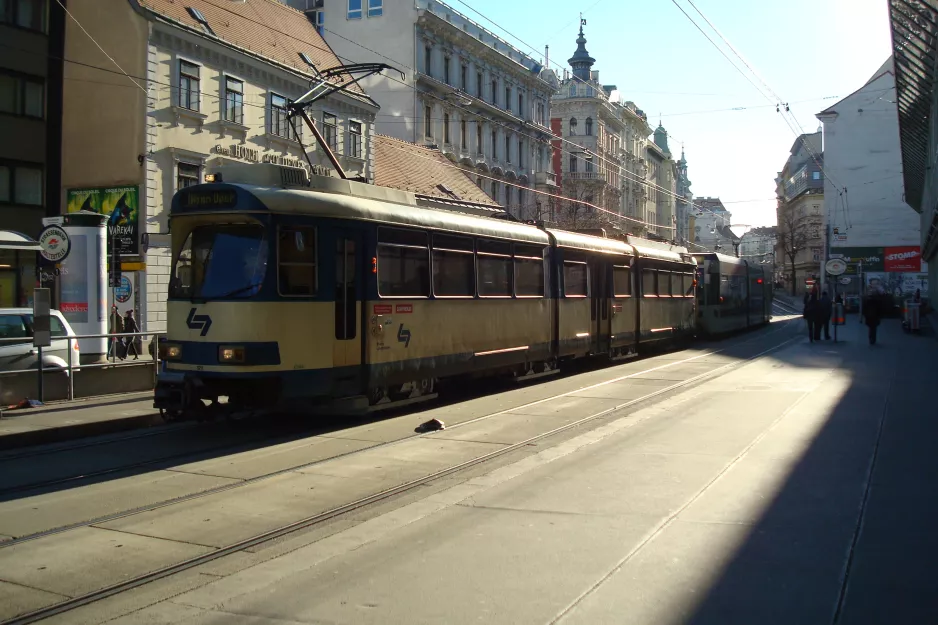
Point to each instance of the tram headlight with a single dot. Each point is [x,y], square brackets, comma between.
[172,351]
[230,353]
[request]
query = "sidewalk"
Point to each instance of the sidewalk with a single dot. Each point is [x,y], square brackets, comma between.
[66,420]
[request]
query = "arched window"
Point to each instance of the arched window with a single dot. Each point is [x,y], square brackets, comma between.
[589,126]
[572,164]
[573,125]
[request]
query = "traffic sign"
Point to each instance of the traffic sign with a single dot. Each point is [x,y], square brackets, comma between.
[54,244]
[835,267]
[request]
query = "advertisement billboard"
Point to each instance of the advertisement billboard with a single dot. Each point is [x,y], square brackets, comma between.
[121,204]
[904,259]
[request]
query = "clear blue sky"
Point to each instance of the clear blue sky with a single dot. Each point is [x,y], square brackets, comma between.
[803,49]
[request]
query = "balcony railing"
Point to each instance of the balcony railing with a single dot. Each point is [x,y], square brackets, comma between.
[585,175]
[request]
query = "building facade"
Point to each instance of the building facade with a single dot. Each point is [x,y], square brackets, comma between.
[662,187]
[635,186]
[466,91]
[590,167]
[800,193]
[871,222]
[217,84]
[30,133]
[683,204]
[709,224]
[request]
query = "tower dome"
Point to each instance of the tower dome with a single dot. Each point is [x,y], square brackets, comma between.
[581,61]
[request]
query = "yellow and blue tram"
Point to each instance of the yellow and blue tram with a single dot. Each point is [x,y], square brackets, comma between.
[289,289]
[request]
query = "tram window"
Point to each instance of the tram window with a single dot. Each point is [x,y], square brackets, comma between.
[453,273]
[622,281]
[529,277]
[664,284]
[403,263]
[688,285]
[450,242]
[296,249]
[575,281]
[677,289]
[649,283]
[494,276]
[491,246]
[529,251]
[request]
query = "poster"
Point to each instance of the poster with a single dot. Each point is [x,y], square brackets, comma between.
[74,304]
[121,204]
[904,259]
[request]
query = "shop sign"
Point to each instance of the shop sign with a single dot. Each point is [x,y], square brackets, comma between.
[252,155]
[903,259]
[124,291]
[122,207]
[871,257]
[54,244]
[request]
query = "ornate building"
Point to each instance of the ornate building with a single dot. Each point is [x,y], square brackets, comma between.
[591,171]
[684,203]
[662,178]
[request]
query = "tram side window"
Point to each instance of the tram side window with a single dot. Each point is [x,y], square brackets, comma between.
[296,249]
[688,285]
[403,263]
[664,284]
[677,288]
[622,281]
[495,268]
[529,271]
[575,282]
[649,283]
[453,266]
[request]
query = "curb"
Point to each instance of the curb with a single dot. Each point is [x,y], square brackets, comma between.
[58,434]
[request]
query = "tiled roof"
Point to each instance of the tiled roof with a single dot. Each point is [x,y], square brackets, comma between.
[410,167]
[265,27]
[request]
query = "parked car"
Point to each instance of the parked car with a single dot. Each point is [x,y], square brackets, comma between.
[15,355]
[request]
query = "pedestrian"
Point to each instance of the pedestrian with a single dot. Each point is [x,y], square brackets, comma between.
[825,310]
[872,313]
[115,329]
[918,296]
[810,314]
[131,327]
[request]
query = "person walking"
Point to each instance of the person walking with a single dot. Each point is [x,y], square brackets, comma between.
[130,327]
[115,329]
[825,310]
[872,313]
[810,314]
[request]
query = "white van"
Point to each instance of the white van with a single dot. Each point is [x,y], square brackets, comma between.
[17,323]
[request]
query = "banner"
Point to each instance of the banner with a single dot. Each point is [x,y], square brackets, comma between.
[904,259]
[121,205]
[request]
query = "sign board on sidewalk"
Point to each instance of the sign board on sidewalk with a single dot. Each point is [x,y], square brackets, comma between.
[42,330]
[835,267]
[54,244]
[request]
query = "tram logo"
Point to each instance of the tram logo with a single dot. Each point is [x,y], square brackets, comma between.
[403,336]
[199,322]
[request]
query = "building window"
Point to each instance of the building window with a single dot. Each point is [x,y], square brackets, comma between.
[589,126]
[278,117]
[495,91]
[428,60]
[29,14]
[479,84]
[234,100]
[354,9]
[462,134]
[816,175]
[589,164]
[508,149]
[355,139]
[187,175]
[375,8]
[520,153]
[573,90]
[479,138]
[20,184]
[427,122]
[521,105]
[589,92]
[446,66]
[573,125]
[463,77]
[507,98]
[495,190]
[318,18]
[189,85]
[572,164]
[22,95]
[198,17]
[494,145]
[446,138]
[330,131]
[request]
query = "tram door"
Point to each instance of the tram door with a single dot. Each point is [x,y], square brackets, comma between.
[347,348]
[600,305]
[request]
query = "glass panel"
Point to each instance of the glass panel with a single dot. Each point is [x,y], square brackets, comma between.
[55,326]
[453,274]
[9,94]
[375,8]
[575,280]
[5,184]
[219,262]
[297,266]
[403,271]
[664,283]
[622,281]
[677,288]
[33,99]
[354,9]
[345,297]
[28,185]
[12,327]
[529,277]
[648,282]
[448,242]
[490,246]
[400,236]
[495,276]
[688,285]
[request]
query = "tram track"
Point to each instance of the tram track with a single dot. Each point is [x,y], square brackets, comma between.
[193,456]
[400,489]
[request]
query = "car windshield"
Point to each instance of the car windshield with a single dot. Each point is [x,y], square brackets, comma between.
[221,261]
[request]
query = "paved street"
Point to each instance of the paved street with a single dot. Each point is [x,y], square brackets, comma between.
[785,487]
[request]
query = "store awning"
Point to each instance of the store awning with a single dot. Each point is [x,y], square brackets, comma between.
[914,26]
[10,240]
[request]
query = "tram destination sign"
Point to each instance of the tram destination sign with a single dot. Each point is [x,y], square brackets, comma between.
[208,199]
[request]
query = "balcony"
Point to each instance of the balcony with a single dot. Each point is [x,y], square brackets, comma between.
[594,176]
[547,178]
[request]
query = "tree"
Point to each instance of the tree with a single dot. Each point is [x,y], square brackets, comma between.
[576,212]
[792,239]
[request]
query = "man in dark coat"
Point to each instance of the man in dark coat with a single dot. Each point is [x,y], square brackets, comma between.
[825,310]
[810,314]
[872,313]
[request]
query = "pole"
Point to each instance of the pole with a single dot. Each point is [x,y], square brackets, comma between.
[834,299]
[40,372]
[827,254]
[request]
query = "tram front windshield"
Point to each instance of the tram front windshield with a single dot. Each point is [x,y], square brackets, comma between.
[220,261]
